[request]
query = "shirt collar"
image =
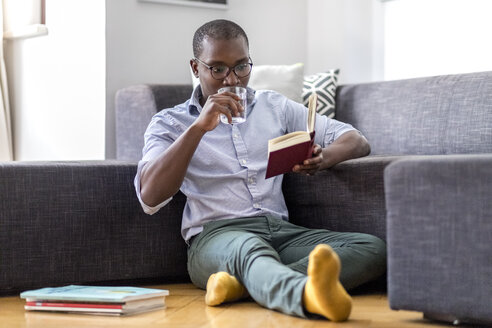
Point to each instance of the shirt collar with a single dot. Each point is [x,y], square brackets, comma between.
[194,105]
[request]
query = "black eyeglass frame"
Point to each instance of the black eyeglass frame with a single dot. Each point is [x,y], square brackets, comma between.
[229,69]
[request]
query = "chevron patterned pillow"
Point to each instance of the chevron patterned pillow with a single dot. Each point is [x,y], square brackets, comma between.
[325,85]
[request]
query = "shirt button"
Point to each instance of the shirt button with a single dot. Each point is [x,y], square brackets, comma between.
[256,205]
[243,161]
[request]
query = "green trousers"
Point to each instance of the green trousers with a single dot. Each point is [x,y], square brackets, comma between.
[270,256]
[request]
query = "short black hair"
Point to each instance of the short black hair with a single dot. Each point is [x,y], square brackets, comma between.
[219,29]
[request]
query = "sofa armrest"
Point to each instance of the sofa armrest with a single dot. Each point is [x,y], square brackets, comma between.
[79,222]
[439,232]
[347,197]
[134,108]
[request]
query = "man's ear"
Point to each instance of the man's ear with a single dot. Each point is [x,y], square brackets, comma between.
[194,67]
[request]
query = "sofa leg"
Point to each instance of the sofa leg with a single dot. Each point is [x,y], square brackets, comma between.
[451,319]
[442,317]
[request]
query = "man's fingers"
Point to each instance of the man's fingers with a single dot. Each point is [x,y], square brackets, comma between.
[231,105]
[313,161]
[312,168]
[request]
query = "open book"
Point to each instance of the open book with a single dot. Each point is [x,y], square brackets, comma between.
[286,151]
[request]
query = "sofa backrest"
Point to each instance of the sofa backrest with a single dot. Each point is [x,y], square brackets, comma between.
[135,106]
[449,114]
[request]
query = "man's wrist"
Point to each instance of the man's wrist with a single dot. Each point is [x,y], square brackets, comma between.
[196,129]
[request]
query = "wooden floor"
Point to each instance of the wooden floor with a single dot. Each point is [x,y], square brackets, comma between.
[186,309]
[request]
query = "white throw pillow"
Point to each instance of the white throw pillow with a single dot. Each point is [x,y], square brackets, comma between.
[285,79]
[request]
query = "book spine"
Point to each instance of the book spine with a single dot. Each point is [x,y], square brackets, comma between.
[75,305]
[310,149]
[72,309]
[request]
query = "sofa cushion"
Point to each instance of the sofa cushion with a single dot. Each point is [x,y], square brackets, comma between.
[134,107]
[439,232]
[449,114]
[347,197]
[80,222]
[325,85]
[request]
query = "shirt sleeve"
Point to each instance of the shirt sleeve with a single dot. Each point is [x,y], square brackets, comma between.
[327,129]
[158,137]
[146,208]
[333,129]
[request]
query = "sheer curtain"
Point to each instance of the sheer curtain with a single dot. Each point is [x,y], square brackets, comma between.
[6,146]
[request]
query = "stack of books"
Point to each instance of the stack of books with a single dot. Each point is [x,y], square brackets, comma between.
[95,299]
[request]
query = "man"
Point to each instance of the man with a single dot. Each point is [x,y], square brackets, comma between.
[235,221]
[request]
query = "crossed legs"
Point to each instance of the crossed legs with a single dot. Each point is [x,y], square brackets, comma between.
[323,294]
[233,258]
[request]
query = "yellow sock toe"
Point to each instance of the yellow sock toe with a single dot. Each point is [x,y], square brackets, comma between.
[222,287]
[323,293]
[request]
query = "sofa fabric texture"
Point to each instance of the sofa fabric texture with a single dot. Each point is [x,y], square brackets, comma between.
[135,107]
[348,197]
[439,234]
[76,222]
[449,114]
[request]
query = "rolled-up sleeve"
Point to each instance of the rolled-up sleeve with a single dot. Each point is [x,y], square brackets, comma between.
[334,129]
[146,208]
[158,137]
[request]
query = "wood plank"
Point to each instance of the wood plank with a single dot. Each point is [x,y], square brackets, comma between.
[186,309]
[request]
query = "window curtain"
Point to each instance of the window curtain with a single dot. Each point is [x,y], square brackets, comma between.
[6,145]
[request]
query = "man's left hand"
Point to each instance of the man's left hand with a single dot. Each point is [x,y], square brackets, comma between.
[311,165]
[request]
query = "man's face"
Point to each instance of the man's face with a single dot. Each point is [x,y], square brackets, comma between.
[221,52]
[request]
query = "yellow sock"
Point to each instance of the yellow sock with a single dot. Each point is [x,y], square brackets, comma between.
[222,287]
[323,293]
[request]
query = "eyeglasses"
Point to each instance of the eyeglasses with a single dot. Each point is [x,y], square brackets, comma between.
[220,72]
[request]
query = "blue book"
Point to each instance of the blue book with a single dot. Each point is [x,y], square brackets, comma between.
[93,294]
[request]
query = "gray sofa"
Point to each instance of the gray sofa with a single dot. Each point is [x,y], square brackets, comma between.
[424,189]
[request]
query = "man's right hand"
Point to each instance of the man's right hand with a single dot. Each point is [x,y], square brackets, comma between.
[226,103]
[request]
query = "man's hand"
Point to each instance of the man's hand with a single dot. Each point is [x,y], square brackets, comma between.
[349,145]
[311,165]
[226,103]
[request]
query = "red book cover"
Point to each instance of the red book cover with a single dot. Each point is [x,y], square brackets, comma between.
[283,160]
[286,151]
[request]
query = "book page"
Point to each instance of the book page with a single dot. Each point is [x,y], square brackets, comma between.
[312,105]
[288,140]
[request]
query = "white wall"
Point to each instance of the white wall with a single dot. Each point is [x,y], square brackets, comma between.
[435,37]
[63,85]
[152,43]
[57,84]
[346,35]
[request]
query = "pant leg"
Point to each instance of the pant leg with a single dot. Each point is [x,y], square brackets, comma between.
[362,256]
[241,248]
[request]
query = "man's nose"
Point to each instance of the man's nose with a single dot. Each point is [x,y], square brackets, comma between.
[231,79]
